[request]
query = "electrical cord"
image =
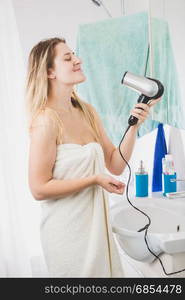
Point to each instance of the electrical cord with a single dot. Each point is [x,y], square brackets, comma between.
[149,219]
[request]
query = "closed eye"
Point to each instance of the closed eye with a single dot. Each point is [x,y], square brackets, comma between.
[69,58]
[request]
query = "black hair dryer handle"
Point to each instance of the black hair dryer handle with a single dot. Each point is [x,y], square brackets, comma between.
[144,99]
[132,120]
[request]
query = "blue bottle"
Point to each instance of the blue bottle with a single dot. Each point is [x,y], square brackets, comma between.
[141,180]
[169,186]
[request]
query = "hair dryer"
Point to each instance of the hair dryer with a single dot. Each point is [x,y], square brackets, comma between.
[148,87]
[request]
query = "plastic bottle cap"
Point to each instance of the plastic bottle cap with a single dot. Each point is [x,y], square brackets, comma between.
[141,168]
[168,157]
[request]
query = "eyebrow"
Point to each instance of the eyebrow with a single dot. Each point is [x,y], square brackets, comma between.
[69,53]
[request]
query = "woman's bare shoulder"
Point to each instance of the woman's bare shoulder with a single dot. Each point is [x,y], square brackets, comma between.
[43,117]
[43,122]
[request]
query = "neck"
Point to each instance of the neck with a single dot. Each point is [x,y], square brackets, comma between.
[60,97]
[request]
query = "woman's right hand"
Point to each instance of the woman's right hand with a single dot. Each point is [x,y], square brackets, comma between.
[110,184]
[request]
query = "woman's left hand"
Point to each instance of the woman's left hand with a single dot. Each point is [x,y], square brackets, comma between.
[143,113]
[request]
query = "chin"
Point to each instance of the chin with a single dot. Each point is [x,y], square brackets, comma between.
[81,79]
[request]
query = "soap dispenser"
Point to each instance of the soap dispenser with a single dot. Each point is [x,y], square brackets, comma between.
[141,181]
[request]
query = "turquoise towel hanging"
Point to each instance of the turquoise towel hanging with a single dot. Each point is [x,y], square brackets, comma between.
[113,46]
[108,49]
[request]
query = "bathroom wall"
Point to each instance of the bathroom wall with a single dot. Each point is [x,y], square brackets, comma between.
[38,19]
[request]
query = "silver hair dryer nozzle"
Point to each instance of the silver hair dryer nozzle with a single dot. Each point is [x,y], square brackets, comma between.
[148,88]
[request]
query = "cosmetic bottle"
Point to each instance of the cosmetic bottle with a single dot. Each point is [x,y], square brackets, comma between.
[141,181]
[169,175]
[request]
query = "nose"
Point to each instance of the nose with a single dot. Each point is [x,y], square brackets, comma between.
[77,60]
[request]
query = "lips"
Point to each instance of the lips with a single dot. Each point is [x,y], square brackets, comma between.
[77,70]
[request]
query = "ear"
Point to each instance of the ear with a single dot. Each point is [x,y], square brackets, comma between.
[51,73]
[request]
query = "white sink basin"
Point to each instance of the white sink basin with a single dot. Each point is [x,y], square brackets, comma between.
[166,234]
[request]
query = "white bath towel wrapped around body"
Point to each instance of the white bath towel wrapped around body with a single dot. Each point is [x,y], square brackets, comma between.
[76,234]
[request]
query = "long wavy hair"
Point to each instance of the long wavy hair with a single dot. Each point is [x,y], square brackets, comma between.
[41,58]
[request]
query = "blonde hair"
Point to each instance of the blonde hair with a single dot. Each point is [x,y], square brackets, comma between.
[37,86]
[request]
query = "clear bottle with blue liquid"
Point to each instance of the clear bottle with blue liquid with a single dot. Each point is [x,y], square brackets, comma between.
[169,175]
[141,181]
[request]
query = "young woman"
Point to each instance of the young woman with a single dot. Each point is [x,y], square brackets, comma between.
[68,161]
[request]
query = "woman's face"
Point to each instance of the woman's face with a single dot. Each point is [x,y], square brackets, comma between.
[66,66]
